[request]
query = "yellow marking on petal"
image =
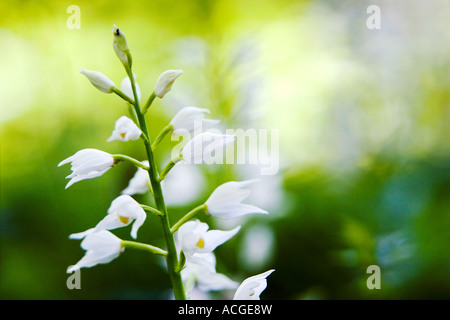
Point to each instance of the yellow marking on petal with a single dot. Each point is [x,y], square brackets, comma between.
[124,220]
[200,243]
[123,134]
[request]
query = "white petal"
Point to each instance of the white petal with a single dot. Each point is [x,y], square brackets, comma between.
[200,270]
[140,183]
[124,130]
[92,258]
[194,237]
[203,146]
[189,235]
[125,206]
[110,222]
[165,82]
[232,191]
[225,200]
[125,87]
[216,281]
[251,288]
[90,175]
[81,235]
[137,224]
[231,211]
[215,238]
[122,207]
[101,247]
[188,117]
[88,164]
[99,240]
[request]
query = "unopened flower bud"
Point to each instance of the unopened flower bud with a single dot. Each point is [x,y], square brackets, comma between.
[165,82]
[99,80]
[120,46]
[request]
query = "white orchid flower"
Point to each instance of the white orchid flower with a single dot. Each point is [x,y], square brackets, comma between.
[99,80]
[225,200]
[125,130]
[101,247]
[140,183]
[122,212]
[205,146]
[125,87]
[165,82]
[88,164]
[194,237]
[185,120]
[201,271]
[251,288]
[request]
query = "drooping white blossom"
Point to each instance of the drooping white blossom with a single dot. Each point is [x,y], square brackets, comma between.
[123,211]
[99,80]
[165,82]
[125,87]
[194,237]
[140,183]
[251,288]
[88,164]
[183,185]
[185,120]
[125,130]
[200,271]
[101,247]
[226,200]
[205,147]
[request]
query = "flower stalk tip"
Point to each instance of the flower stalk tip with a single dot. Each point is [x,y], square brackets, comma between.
[120,46]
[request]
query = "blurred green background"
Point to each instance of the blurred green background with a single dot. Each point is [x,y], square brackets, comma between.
[363,119]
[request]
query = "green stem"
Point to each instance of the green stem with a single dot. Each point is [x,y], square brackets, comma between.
[132,113]
[122,95]
[148,103]
[121,157]
[161,135]
[151,210]
[169,167]
[143,246]
[171,258]
[191,214]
